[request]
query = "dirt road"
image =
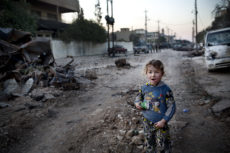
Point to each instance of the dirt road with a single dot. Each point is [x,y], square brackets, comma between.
[100,117]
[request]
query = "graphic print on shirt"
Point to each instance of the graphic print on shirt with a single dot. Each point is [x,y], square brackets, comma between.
[152,102]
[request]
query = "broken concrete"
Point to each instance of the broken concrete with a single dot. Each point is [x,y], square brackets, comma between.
[221,106]
[15,36]
[4,105]
[38,51]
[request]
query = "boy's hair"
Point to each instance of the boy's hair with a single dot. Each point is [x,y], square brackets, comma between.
[155,63]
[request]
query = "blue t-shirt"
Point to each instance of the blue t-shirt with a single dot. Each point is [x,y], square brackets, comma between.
[157,101]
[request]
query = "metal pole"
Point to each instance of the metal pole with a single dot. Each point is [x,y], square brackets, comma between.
[145,26]
[108,27]
[112,24]
[193,31]
[168,36]
[196,12]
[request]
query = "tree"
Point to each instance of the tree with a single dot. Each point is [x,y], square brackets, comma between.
[16,15]
[224,4]
[81,14]
[84,30]
[222,15]
[222,19]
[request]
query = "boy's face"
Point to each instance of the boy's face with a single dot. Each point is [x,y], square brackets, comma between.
[154,75]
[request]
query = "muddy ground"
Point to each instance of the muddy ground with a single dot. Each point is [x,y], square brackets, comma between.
[100,116]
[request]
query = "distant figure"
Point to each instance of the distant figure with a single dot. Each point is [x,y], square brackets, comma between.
[156,101]
[157,48]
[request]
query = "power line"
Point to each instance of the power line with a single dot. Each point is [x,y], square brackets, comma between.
[200,20]
[180,24]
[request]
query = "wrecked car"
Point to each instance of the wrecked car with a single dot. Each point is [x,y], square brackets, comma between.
[217,49]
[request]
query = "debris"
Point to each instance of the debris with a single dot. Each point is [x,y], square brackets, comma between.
[10,86]
[221,106]
[32,106]
[24,90]
[91,74]
[204,102]
[196,53]
[120,137]
[122,63]
[65,81]
[185,110]
[15,36]
[122,132]
[38,51]
[28,64]
[37,95]
[3,105]
[178,125]
[137,140]
[129,134]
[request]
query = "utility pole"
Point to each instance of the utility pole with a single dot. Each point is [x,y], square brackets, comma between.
[196,12]
[113,23]
[98,12]
[158,23]
[146,26]
[158,39]
[108,26]
[58,15]
[193,35]
[168,36]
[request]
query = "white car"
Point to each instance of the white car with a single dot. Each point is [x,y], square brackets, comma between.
[217,49]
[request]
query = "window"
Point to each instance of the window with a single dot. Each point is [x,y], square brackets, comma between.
[219,38]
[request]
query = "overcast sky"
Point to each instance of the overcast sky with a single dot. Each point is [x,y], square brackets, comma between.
[176,15]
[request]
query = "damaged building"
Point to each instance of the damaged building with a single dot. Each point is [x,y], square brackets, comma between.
[49,13]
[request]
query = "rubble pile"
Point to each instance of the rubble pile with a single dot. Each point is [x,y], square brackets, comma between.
[196,53]
[26,64]
[122,63]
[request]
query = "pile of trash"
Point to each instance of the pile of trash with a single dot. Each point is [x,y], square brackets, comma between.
[27,63]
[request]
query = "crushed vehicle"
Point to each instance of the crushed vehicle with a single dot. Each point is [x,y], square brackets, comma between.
[26,64]
[217,49]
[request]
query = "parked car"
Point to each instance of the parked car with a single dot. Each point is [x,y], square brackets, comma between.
[117,49]
[140,48]
[183,47]
[217,49]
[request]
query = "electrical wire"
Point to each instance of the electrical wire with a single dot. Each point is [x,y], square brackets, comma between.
[181,24]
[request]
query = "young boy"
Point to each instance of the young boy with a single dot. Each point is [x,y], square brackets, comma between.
[156,101]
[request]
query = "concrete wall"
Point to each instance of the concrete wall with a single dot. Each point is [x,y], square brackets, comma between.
[123,35]
[61,49]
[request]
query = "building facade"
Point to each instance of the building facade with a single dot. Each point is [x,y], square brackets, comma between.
[49,15]
[123,34]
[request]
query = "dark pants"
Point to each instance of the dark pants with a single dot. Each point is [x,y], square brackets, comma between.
[157,140]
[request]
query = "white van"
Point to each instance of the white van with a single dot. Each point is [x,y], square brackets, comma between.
[217,49]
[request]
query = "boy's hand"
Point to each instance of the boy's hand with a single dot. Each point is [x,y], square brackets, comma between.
[160,124]
[138,106]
